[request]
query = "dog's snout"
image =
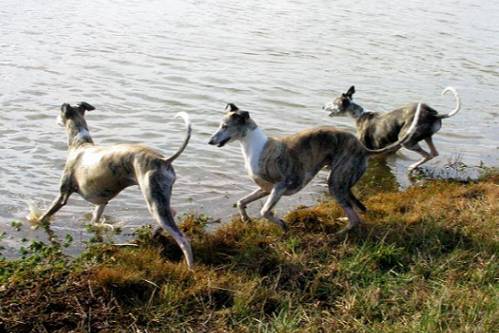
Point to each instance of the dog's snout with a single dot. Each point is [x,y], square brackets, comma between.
[211,142]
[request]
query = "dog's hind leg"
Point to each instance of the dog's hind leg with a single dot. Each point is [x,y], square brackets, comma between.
[433,149]
[340,181]
[266,212]
[345,203]
[356,202]
[353,220]
[96,215]
[157,190]
[360,167]
[426,156]
[243,202]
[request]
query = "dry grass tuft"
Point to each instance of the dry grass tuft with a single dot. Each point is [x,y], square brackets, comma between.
[424,261]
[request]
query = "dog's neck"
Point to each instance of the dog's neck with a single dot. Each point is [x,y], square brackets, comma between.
[77,135]
[355,111]
[252,145]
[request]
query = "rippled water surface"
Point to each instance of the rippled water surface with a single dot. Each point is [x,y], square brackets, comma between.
[140,62]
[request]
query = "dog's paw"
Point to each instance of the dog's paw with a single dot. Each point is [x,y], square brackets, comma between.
[347,229]
[413,168]
[416,173]
[104,225]
[284,227]
[343,232]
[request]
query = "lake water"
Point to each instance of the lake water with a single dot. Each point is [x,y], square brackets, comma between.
[140,62]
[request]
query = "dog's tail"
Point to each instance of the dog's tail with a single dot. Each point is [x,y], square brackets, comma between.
[396,145]
[458,103]
[184,116]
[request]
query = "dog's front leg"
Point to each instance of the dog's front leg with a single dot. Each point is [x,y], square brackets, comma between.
[242,203]
[65,190]
[58,203]
[97,213]
[266,212]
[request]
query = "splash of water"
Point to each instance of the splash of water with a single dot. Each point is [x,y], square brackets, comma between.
[34,212]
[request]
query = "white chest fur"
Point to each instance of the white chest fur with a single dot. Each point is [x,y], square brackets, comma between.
[252,147]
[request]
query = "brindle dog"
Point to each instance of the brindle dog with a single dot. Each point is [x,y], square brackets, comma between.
[283,166]
[99,173]
[376,130]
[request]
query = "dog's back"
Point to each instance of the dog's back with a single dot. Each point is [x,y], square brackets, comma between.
[379,129]
[101,172]
[297,158]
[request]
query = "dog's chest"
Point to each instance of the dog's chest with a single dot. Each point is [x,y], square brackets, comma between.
[251,163]
[252,149]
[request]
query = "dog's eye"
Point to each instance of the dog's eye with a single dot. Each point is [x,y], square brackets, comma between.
[224,126]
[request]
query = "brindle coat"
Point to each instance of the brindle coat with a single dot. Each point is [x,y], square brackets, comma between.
[377,130]
[283,166]
[99,173]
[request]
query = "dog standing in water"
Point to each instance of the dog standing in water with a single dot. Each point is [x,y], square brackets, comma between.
[99,173]
[376,130]
[283,166]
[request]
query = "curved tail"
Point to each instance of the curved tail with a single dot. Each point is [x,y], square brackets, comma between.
[396,145]
[458,103]
[184,116]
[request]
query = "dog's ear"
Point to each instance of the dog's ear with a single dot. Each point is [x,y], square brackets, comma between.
[231,107]
[244,115]
[66,109]
[84,106]
[350,92]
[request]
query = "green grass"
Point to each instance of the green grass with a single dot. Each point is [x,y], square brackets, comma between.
[424,261]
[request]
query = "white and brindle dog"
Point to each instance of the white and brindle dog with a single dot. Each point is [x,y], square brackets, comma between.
[283,166]
[376,130]
[99,173]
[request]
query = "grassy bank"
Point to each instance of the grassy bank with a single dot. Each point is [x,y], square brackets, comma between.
[424,261]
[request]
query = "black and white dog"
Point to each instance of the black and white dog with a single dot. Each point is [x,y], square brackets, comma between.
[377,130]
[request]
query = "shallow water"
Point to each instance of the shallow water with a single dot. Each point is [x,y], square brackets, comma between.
[140,62]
